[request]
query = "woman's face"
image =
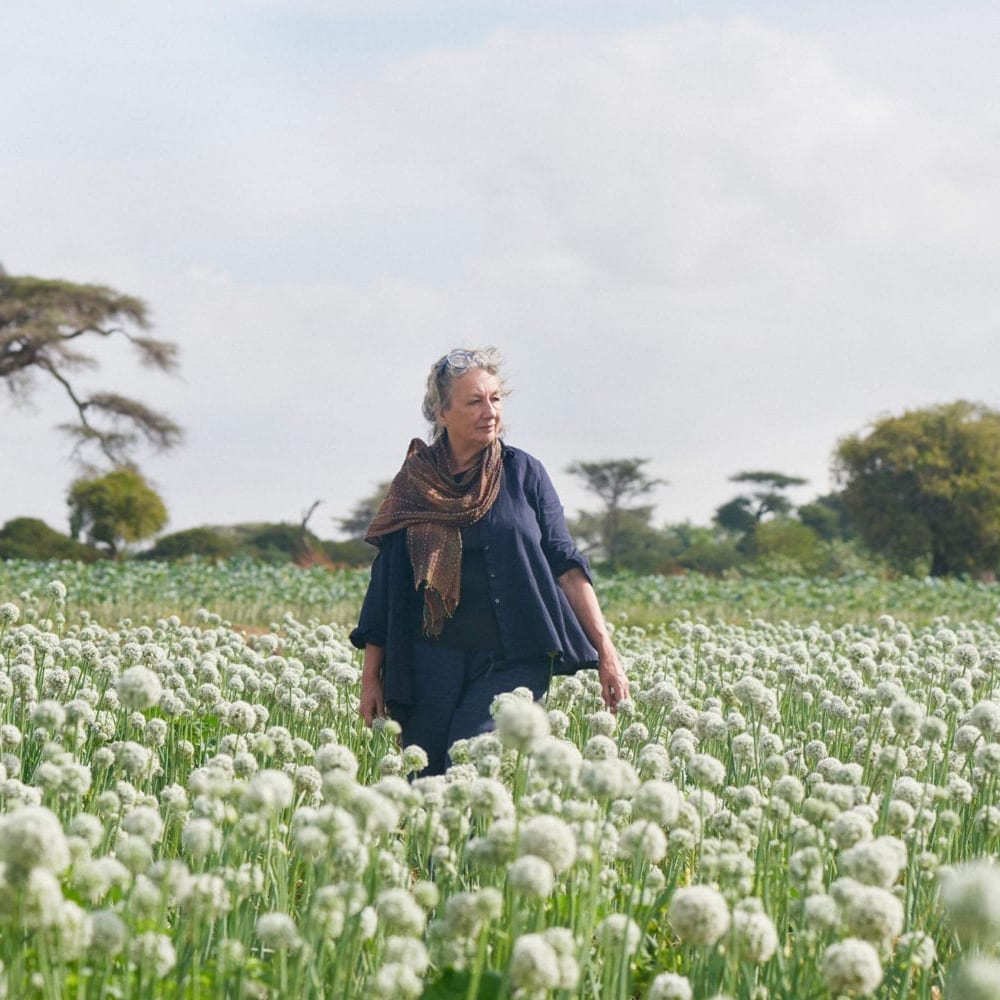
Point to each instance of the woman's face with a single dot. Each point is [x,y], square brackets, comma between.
[472,418]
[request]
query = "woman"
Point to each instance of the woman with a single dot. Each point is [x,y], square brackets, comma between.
[477,587]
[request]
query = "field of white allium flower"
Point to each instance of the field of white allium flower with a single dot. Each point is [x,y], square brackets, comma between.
[794,805]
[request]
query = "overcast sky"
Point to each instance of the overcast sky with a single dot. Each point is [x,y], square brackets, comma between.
[716,235]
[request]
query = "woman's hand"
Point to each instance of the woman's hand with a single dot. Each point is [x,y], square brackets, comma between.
[614,683]
[372,704]
[580,594]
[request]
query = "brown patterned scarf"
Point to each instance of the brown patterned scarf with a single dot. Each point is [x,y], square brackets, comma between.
[425,499]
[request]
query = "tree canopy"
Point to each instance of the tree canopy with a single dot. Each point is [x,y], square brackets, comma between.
[356,523]
[616,481]
[44,324]
[924,488]
[115,508]
[743,513]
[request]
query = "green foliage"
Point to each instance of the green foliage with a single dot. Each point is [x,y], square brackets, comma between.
[619,529]
[700,549]
[265,542]
[209,543]
[743,513]
[455,984]
[31,538]
[923,489]
[637,545]
[116,508]
[736,516]
[43,324]
[356,523]
[275,542]
[349,553]
[827,516]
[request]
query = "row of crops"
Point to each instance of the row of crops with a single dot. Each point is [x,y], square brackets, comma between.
[800,801]
[253,593]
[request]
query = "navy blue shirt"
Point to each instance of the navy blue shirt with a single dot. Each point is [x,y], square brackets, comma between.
[526,547]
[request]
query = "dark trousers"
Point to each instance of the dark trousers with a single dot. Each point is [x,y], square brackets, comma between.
[452,693]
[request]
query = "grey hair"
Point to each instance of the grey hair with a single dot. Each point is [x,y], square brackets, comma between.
[443,376]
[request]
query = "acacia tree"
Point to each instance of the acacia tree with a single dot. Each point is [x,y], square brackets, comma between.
[923,488]
[743,513]
[616,481]
[117,507]
[356,523]
[43,325]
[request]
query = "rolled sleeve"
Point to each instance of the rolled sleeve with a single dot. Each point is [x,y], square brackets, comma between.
[372,627]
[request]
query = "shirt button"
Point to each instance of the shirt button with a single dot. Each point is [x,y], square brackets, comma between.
[496,600]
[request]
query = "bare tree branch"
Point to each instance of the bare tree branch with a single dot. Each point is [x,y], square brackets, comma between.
[41,323]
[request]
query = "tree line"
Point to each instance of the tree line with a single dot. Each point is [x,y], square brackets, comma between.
[917,493]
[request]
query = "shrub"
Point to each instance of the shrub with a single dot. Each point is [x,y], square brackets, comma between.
[209,543]
[31,538]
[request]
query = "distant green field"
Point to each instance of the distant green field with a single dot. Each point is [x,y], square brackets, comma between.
[258,594]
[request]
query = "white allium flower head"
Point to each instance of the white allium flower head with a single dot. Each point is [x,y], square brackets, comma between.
[531,876]
[143,821]
[699,914]
[241,717]
[33,897]
[465,912]
[619,933]
[155,951]
[706,770]
[48,714]
[565,946]
[873,914]
[32,837]
[970,895]
[138,688]
[985,716]
[551,838]
[600,747]
[400,913]
[557,759]
[609,779]
[108,934]
[670,986]
[875,862]
[658,801]
[642,840]
[534,965]
[201,837]
[916,949]
[408,951]
[974,978]
[88,827]
[602,723]
[754,931]
[521,725]
[414,759]
[336,757]
[821,912]
[394,981]
[490,797]
[277,931]
[269,791]
[852,967]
